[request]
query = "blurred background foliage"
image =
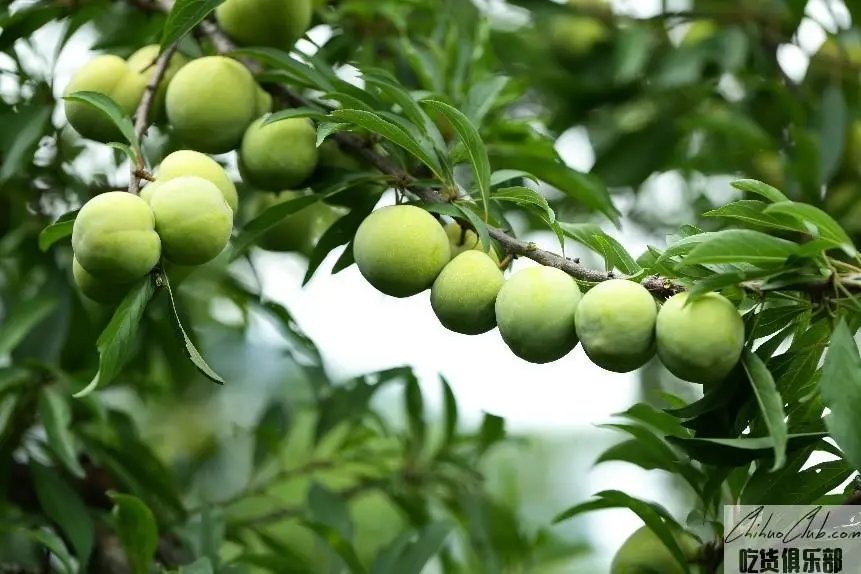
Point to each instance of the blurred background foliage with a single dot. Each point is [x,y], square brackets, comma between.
[252,474]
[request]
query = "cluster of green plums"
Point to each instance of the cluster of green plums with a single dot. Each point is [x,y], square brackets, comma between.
[540,311]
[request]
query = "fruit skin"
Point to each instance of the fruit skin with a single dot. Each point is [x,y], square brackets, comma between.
[400,250]
[644,553]
[615,323]
[264,102]
[114,237]
[461,242]
[700,342]
[280,155]
[535,312]
[142,62]
[103,292]
[210,102]
[272,23]
[186,162]
[193,220]
[109,75]
[298,232]
[464,294]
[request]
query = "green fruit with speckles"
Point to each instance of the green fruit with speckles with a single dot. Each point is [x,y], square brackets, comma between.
[184,163]
[535,313]
[299,232]
[280,155]
[401,250]
[464,240]
[615,323]
[211,102]
[272,23]
[644,553]
[702,341]
[114,237]
[193,220]
[97,290]
[464,294]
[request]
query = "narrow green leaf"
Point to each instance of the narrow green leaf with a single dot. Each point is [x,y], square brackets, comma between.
[199,566]
[770,404]
[471,138]
[816,221]
[506,175]
[414,403]
[184,15]
[832,131]
[528,197]
[840,386]
[282,60]
[56,416]
[54,233]
[271,431]
[23,318]
[339,233]
[739,451]
[492,431]
[55,545]
[64,506]
[769,192]
[416,556]
[339,544]
[291,113]
[451,414]
[137,530]
[751,212]
[330,509]
[482,97]
[108,106]
[18,157]
[270,217]
[588,235]
[115,342]
[742,246]
[190,350]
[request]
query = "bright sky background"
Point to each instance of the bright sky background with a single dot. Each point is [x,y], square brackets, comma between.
[361,330]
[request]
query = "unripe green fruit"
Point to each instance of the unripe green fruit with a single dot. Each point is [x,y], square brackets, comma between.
[699,32]
[463,296]
[644,553]
[401,249]
[768,167]
[109,75]
[700,342]
[272,23]
[193,220]
[535,313]
[143,62]
[574,36]
[465,241]
[264,102]
[298,232]
[615,323]
[114,237]
[280,155]
[97,290]
[210,103]
[184,163]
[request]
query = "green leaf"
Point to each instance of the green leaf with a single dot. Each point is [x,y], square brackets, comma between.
[791,487]
[184,15]
[115,342]
[55,232]
[474,146]
[23,318]
[330,509]
[741,246]
[492,431]
[832,131]
[817,221]
[529,197]
[333,538]
[55,545]
[190,350]
[414,403]
[108,106]
[840,387]
[137,530]
[451,414]
[271,431]
[395,134]
[596,239]
[739,451]
[64,506]
[770,404]
[339,233]
[750,212]
[769,192]
[416,556]
[18,157]
[291,113]
[56,416]
[199,566]
[270,217]
[482,96]
[506,175]
[298,71]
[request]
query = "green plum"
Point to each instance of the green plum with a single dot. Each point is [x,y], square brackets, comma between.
[615,323]
[464,240]
[98,290]
[114,237]
[210,102]
[280,155]
[272,23]
[193,220]
[644,553]
[463,297]
[143,62]
[187,162]
[702,341]
[535,312]
[401,249]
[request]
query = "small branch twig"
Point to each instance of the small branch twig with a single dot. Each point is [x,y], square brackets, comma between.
[138,169]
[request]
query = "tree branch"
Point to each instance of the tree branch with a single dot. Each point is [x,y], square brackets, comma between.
[138,169]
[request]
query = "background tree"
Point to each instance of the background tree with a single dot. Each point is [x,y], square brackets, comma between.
[225,137]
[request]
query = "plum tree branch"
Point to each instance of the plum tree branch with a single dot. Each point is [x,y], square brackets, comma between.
[138,168]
